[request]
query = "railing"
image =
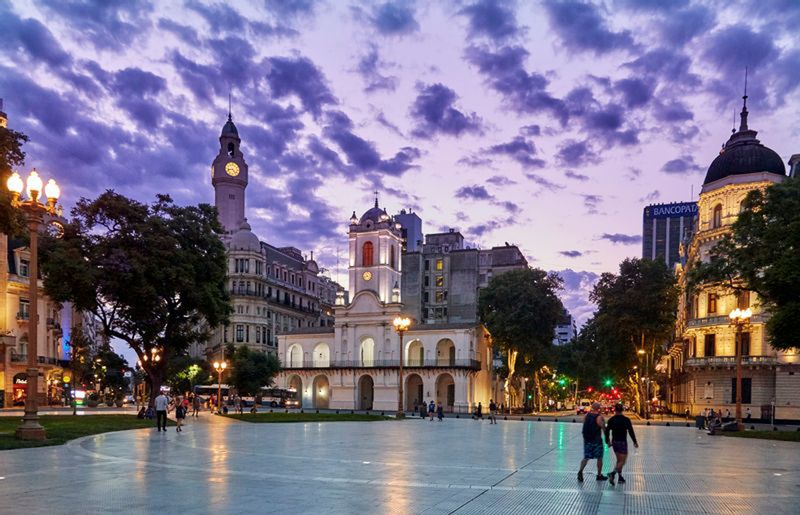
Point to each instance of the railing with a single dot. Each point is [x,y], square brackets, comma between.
[22,316]
[730,361]
[19,358]
[472,364]
[23,358]
[720,320]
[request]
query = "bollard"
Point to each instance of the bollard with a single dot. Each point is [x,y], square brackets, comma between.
[555,420]
[287,411]
[351,412]
[752,428]
[774,428]
[457,416]
[688,425]
[381,413]
[667,424]
[301,411]
[648,422]
[270,411]
[522,419]
[539,419]
[573,420]
[505,418]
[367,412]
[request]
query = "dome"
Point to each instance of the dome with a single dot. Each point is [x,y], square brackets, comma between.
[244,239]
[375,214]
[743,154]
[229,129]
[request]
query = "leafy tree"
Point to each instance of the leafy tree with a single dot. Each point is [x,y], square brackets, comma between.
[184,372]
[636,310]
[250,370]
[11,156]
[762,254]
[152,275]
[520,309]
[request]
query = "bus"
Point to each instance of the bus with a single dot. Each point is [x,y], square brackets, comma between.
[206,391]
[279,397]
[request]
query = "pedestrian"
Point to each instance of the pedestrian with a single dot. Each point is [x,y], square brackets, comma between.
[593,429]
[728,415]
[431,409]
[618,428]
[237,404]
[180,415]
[479,412]
[162,403]
[440,411]
[423,410]
[492,412]
[212,401]
[749,414]
[195,405]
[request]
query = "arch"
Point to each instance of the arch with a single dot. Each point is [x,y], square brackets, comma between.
[322,355]
[294,356]
[366,392]
[446,391]
[296,383]
[415,394]
[367,352]
[367,253]
[321,392]
[445,352]
[716,216]
[415,354]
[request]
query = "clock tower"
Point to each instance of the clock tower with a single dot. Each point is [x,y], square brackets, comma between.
[229,178]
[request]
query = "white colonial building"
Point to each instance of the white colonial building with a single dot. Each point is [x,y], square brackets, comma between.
[355,363]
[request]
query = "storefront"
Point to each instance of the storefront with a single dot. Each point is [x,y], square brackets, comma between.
[20,389]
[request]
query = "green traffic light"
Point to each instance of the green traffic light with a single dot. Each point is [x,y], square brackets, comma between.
[608,382]
[562,382]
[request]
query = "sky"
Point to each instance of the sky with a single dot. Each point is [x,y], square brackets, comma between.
[549,125]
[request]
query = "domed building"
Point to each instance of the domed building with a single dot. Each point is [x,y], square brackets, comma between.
[701,365]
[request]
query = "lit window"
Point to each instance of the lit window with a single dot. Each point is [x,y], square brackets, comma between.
[440,264]
[366,254]
[440,280]
[439,296]
[716,219]
[23,268]
[712,303]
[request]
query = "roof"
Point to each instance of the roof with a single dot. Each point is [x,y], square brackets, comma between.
[310,330]
[229,129]
[443,327]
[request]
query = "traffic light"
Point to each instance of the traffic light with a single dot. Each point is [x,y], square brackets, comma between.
[608,382]
[530,396]
[562,381]
[590,389]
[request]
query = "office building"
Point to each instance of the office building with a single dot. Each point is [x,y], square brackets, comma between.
[664,228]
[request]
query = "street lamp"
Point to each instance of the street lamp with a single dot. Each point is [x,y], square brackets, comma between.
[739,319]
[641,353]
[401,325]
[34,213]
[220,368]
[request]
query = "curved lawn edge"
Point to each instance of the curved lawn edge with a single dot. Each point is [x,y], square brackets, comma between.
[278,418]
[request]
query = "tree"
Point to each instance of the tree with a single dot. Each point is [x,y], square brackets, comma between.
[11,156]
[520,309]
[184,372]
[153,275]
[636,310]
[762,254]
[250,370]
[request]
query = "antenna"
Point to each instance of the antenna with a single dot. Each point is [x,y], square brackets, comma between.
[745,87]
[733,131]
[229,102]
[743,125]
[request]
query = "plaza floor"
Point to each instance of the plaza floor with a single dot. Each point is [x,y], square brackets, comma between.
[413,466]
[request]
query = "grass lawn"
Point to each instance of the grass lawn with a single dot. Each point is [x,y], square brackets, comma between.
[306,417]
[786,436]
[62,428]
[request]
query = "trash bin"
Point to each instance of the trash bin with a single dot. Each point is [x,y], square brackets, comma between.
[700,421]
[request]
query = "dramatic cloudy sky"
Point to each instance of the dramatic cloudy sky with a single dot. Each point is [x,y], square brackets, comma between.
[545,124]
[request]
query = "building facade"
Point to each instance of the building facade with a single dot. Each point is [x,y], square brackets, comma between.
[565,329]
[411,228]
[355,363]
[274,290]
[700,365]
[442,281]
[664,228]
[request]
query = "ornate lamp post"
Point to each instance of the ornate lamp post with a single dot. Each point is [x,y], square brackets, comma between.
[401,325]
[220,368]
[34,213]
[645,408]
[739,319]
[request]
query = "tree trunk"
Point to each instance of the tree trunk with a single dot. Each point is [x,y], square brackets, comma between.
[510,394]
[155,381]
[538,385]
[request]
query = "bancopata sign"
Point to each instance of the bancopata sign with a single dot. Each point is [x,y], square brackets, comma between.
[671,210]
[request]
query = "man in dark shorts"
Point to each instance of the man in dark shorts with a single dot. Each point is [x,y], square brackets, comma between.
[593,428]
[618,428]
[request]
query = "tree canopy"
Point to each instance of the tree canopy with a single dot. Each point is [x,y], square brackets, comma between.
[250,370]
[11,156]
[153,275]
[762,254]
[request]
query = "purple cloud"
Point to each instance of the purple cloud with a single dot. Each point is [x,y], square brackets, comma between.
[681,165]
[582,28]
[622,239]
[301,78]
[571,253]
[395,18]
[369,66]
[473,192]
[434,113]
[490,18]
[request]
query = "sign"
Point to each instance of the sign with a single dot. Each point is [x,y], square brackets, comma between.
[21,379]
[676,210]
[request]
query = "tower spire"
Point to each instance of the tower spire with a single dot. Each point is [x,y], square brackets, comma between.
[743,125]
[230,118]
[376,198]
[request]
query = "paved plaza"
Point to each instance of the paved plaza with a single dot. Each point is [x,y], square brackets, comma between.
[414,466]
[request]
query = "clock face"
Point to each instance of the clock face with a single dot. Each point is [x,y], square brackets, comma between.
[232,169]
[367,275]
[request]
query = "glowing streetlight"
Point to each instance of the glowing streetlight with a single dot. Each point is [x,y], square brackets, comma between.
[34,212]
[739,319]
[220,368]
[401,325]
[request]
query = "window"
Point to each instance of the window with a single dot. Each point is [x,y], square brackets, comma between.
[745,344]
[747,385]
[743,299]
[427,280]
[439,281]
[367,254]
[225,335]
[695,307]
[239,333]
[258,335]
[247,333]
[710,345]
[440,264]
[24,307]
[391,257]
[712,303]
[425,297]
[427,265]
[716,217]
[439,296]
[24,268]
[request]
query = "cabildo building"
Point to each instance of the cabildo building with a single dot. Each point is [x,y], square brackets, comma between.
[355,363]
[701,365]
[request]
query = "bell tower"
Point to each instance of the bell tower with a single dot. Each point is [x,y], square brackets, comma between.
[229,178]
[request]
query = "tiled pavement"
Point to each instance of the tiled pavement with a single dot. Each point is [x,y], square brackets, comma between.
[413,466]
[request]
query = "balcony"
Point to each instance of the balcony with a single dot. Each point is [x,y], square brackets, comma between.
[721,320]
[468,364]
[22,316]
[730,361]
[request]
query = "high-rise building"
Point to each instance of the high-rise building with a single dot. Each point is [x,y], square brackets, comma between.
[565,329]
[3,116]
[411,229]
[664,227]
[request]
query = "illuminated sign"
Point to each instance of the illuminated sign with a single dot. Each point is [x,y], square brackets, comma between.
[676,210]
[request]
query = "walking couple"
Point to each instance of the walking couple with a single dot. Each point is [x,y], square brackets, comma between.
[616,436]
